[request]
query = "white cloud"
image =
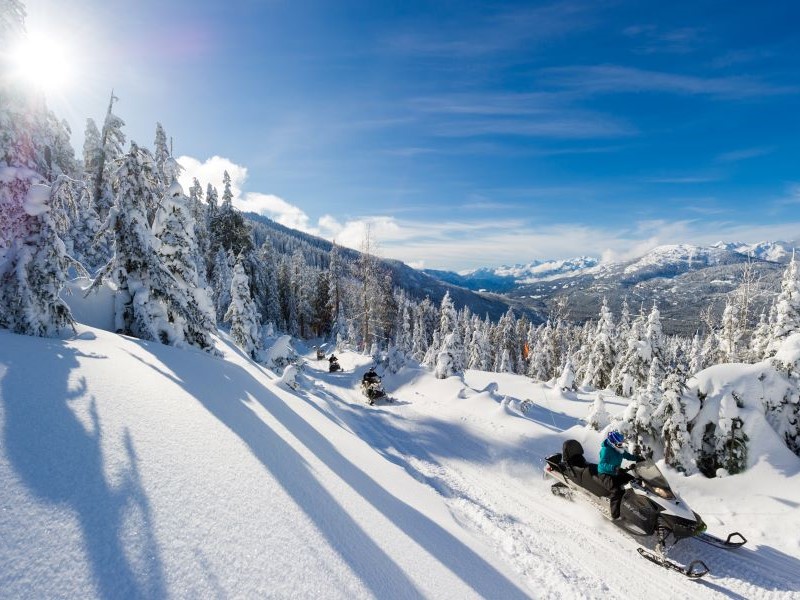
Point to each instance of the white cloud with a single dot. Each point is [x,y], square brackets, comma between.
[276,208]
[467,244]
[211,171]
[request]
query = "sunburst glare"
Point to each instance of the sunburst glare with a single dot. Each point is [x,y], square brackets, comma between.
[44,62]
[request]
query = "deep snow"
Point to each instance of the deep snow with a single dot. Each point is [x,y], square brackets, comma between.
[132,469]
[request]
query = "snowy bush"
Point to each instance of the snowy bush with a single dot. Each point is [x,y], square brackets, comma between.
[598,418]
[281,353]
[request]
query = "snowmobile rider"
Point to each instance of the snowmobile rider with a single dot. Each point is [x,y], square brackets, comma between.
[333,363]
[612,453]
[370,377]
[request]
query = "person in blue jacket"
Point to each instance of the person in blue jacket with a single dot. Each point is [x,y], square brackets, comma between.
[612,453]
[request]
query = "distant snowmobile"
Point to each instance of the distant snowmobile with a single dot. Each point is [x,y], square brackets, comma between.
[371,386]
[333,364]
[649,506]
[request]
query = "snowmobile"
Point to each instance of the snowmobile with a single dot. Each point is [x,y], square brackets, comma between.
[649,506]
[334,365]
[372,387]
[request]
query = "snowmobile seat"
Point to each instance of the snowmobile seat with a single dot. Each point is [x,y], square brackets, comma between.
[572,452]
[581,472]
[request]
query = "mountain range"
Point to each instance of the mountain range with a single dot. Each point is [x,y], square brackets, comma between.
[683,279]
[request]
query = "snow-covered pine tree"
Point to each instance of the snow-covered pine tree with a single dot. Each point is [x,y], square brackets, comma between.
[479,356]
[696,354]
[145,288]
[638,420]
[202,242]
[419,340]
[189,306]
[265,283]
[633,366]
[450,357]
[542,363]
[228,228]
[33,258]
[598,417]
[161,154]
[432,352]
[566,382]
[671,412]
[109,154]
[221,282]
[731,333]
[760,339]
[787,307]
[335,292]
[712,353]
[732,441]
[601,359]
[301,287]
[506,365]
[242,313]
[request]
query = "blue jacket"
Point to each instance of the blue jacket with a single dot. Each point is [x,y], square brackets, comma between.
[611,459]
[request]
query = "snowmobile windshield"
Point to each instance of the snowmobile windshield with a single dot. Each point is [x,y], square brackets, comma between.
[651,475]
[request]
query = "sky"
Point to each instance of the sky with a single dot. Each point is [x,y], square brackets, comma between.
[466,134]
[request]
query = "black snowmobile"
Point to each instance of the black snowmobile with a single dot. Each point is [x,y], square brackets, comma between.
[372,386]
[649,506]
[333,364]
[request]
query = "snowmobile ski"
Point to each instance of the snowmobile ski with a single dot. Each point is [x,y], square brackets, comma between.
[694,570]
[734,540]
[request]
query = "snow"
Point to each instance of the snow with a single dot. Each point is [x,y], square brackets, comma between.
[37,200]
[134,469]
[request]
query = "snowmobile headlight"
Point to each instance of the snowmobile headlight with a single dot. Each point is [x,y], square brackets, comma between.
[663,492]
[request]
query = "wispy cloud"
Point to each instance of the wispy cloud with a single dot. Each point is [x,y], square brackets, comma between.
[618,79]
[556,126]
[543,115]
[684,180]
[744,154]
[653,39]
[495,32]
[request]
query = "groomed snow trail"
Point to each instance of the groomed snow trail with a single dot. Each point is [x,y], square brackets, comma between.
[491,478]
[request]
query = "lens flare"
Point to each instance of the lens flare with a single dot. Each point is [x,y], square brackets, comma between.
[43,62]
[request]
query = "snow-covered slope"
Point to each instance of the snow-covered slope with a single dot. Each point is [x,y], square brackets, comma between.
[130,469]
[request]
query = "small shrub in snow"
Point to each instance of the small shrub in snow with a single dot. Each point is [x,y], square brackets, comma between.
[598,418]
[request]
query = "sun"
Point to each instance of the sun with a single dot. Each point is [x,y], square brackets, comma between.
[43,62]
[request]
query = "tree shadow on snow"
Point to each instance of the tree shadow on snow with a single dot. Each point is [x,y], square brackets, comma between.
[60,460]
[372,565]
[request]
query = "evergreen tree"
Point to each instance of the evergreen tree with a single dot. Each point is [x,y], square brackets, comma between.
[227,227]
[598,418]
[760,340]
[189,306]
[601,358]
[242,313]
[479,357]
[221,282]
[109,153]
[33,215]
[145,287]
[450,356]
[787,308]
[161,155]
[671,412]
[567,379]
[731,333]
[696,354]
[638,421]
[732,442]
[633,367]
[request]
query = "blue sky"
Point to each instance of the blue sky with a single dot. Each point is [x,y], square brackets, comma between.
[467,133]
